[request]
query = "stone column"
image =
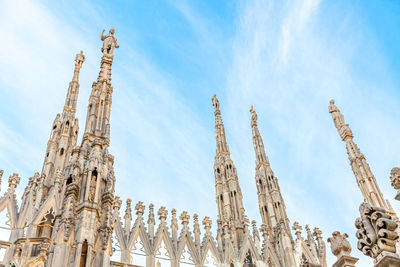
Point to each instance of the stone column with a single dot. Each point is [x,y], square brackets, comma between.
[78,252]
[150,260]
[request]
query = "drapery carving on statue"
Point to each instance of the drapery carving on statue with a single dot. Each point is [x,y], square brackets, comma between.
[92,188]
[109,42]
[340,246]
[376,231]
[110,182]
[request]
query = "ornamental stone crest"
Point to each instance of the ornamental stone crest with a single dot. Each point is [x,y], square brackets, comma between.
[340,246]
[375,231]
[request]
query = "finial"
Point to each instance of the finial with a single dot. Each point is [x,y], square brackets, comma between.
[109,42]
[207,223]
[174,221]
[139,208]
[162,214]
[117,203]
[340,246]
[317,233]
[185,217]
[297,228]
[13,181]
[151,214]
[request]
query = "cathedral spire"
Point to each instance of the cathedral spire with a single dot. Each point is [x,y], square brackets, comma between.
[219,128]
[228,192]
[64,130]
[365,179]
[261,157]
[270,200]
[73,89]
[98,114]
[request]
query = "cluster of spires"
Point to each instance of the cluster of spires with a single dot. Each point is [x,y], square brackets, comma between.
[232,223]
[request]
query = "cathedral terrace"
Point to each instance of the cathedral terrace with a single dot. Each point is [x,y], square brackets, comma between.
[152,177]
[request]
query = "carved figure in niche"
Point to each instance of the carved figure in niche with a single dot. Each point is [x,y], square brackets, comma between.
[376,231]
[109,42]
[92,188]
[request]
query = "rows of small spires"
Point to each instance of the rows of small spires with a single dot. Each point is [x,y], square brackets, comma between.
[162,213]
[312,237]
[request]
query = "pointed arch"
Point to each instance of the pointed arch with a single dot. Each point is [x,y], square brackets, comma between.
[247,247]
[209,250]
[187,242]
[50,203]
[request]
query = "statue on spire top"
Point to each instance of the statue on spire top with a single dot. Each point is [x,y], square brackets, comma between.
[215,102]
[79,59]
[109,42]
[253,116]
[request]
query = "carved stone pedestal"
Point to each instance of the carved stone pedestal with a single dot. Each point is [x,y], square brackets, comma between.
[387,259]
[345,261]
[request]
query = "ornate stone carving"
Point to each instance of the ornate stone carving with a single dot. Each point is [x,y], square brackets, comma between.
[13,181]
[139,208]
[207,223]
[185,217]
[162,214]
[339,244]
[297,228]
[376,231]
[395,179]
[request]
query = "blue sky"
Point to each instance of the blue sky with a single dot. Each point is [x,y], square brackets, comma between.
[287,58]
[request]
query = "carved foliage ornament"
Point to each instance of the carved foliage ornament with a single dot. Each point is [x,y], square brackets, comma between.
[339,244]
[375,231]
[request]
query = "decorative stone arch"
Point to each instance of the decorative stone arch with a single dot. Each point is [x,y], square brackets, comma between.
[138,236]
[248,246]
[50,203]
[162,237]
[187,242]
[210,247]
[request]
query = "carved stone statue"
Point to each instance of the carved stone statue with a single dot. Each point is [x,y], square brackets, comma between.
[395,179]
[92,189]
[375,231]
[109,42]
